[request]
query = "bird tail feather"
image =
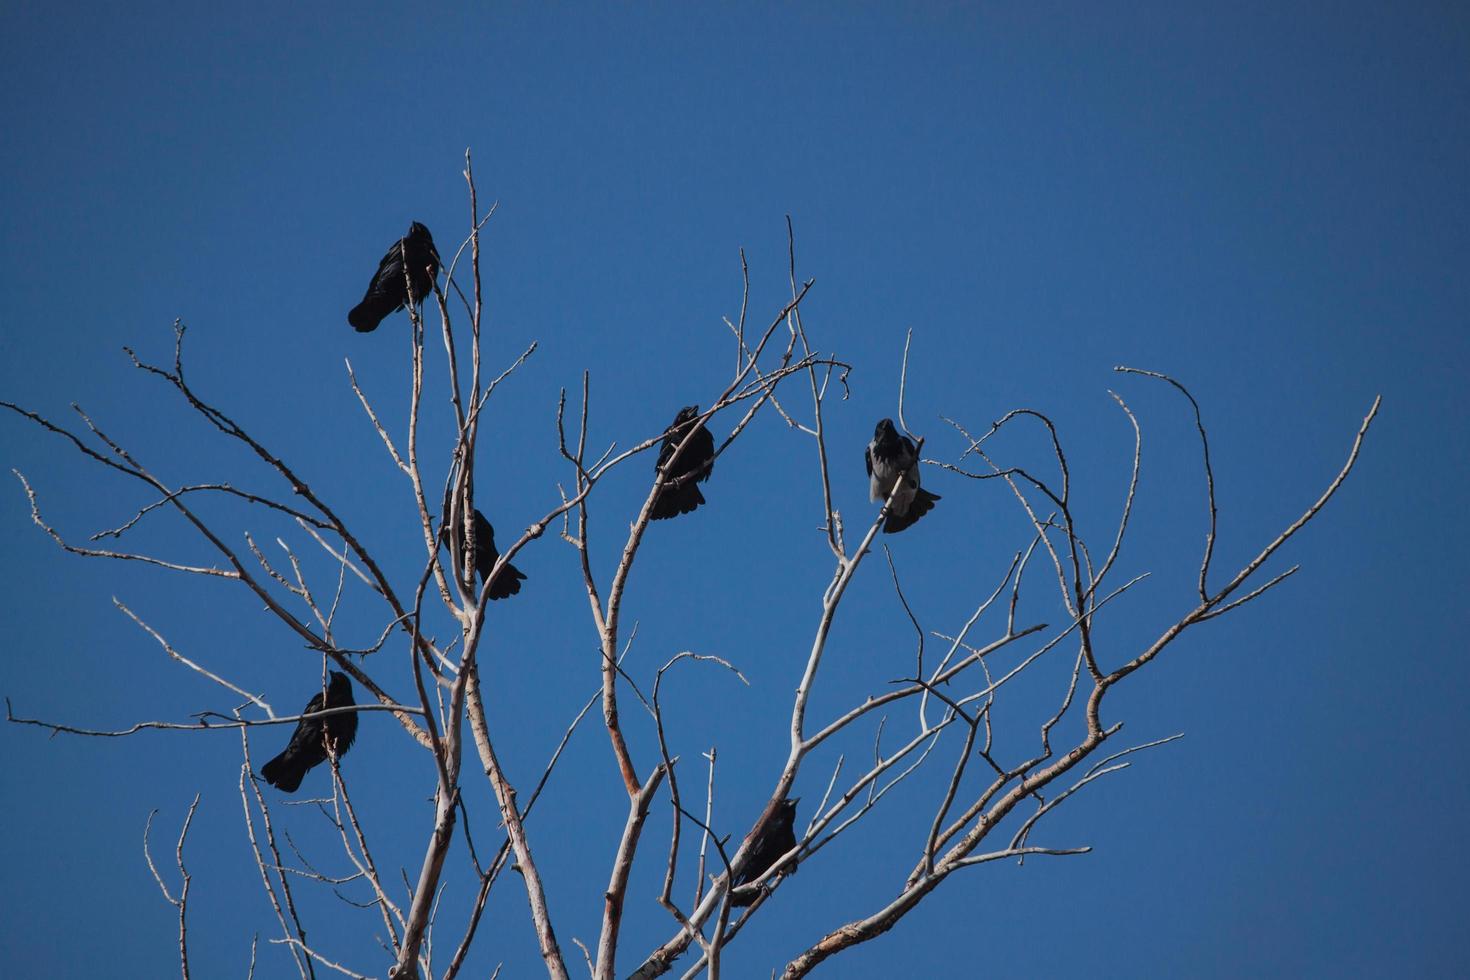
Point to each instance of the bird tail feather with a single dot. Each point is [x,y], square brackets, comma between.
[366,316]
[507,583]
[922,504]
[675,499]
[283,774]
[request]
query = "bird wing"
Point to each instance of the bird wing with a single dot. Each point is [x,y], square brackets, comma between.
[908,462]
[391,262]
[666,451]
[703,450]
[908,454]
[308,730]
[881,475]
[698,456]
[343,728]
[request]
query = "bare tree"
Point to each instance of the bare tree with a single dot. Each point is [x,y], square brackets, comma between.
[994,800]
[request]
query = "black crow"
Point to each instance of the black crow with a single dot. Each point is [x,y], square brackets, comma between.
[890,457]
[778,837]
[387,291]
[508,582]
[680,492]
[305,749]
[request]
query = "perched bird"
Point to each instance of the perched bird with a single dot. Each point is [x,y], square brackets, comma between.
[680,492]
[891,457]
[388,291]
[508,582]
[306,749]
[778,837]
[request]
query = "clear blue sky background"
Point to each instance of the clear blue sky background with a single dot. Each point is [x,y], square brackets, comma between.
[1268,201]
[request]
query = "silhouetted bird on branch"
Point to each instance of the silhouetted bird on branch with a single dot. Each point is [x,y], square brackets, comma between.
[306,749]
[680,492]
[389,289]
[508,582]
[778,837]
[891,457]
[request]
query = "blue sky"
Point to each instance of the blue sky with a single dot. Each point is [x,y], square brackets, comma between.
[1267,201]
